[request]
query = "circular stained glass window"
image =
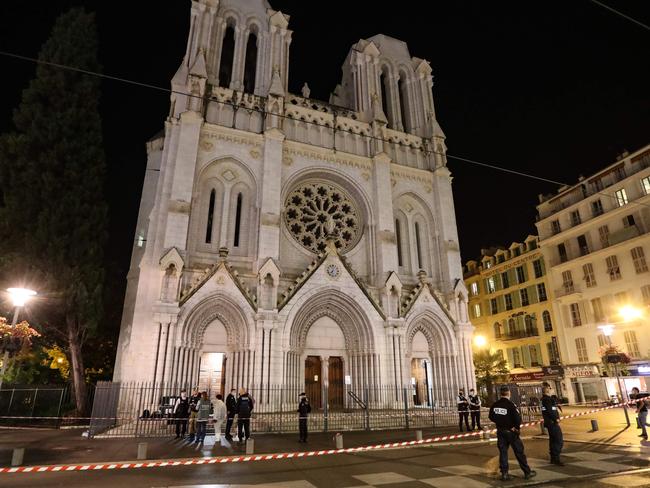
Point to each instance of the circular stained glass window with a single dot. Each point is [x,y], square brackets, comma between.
[312,208]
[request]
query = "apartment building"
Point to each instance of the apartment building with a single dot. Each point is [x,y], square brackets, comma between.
[511,311]
[595,238]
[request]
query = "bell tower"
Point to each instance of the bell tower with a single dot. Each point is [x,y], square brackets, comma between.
[239,42]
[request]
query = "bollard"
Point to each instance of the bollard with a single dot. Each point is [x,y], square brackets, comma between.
[338,438]
[486,435]
[418,435]
[142,450]
[594,425]
[541,428]
[17,456]
[250,446]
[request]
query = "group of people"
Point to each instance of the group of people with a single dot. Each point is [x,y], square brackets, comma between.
[469,405]
[196,411]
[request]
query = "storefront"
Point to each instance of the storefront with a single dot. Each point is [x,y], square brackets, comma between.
[584,384]
[530,383]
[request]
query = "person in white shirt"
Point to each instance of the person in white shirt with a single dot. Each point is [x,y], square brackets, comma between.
[219,416]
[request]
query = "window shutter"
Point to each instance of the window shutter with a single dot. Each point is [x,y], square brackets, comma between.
[497,281]
[532,294]
[539,353]
[512,276]
[525,356]
[511,359]
[501,303]
[543,266]
[516,299]
[526,276]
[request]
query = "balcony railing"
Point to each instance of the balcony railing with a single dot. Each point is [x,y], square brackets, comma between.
[623,234]
[520,334]
[567,290]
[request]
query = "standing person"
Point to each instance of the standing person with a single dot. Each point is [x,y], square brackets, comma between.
[505,415]
[463,410]
[475,409]
[231,408]
[244,411]
[303,413]
[204,408]
[551,417]
[194,400]
[641,410]
[180,413]
[219,416]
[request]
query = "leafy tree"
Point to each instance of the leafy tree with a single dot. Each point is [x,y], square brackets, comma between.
[53,213]
[490,368]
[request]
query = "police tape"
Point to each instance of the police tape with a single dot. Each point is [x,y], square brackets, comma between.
[275,456]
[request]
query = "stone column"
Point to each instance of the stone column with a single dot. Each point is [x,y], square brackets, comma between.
[386,244]
[271,204]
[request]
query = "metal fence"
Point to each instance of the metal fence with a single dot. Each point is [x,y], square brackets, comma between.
[37,406]
[146,409]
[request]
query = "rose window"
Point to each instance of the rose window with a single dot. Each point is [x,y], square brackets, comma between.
[313,208]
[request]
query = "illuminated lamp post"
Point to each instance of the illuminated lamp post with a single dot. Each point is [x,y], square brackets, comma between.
[19,297]
[614,359]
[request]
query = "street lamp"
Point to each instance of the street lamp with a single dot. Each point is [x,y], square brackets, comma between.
[629,313]
[19,297]
[608,330]
[480,341]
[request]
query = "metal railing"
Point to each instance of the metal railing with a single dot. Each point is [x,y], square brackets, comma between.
[145,409]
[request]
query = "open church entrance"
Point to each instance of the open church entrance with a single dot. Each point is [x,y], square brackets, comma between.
[421,371]
[212,376]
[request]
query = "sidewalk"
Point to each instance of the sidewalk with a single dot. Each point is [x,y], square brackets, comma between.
[45,446]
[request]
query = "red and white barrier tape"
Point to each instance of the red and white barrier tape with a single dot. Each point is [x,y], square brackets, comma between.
[268,457]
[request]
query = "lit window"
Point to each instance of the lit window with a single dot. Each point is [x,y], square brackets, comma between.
[140,241]
[477,310]
[474,288]
[491,285]
[645,184]
[621,197]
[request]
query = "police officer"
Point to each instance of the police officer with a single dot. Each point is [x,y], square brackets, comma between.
[231,408]
[303,412]
[463,410]
[505,415]
[475,409]
[551,417]
[244,411]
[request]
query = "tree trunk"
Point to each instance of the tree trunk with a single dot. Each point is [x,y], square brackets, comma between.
[78,376]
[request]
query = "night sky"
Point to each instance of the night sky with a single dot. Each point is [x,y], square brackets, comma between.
[554,88]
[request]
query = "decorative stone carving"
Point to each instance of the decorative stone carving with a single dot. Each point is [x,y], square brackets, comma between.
[311,206]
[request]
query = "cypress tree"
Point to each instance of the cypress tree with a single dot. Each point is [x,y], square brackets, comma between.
[53,213]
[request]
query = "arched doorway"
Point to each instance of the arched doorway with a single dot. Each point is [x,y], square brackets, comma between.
[325,352]
[421,370]
[212,359]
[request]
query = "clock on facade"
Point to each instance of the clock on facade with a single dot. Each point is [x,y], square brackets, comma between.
[333,271]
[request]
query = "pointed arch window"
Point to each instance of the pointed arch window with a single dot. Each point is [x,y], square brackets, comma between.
[401,90]
[227,57]
[250,65]
[383,85]
[418,245]
[208,230]
[238,219]
[398,236]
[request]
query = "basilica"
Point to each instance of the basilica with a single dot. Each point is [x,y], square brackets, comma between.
[288,241]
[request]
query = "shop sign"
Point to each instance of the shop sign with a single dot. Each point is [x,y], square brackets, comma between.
[534,376]
[553,370]
[642,370]
[581,371]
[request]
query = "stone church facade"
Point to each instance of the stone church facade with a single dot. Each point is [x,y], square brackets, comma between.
[283,240]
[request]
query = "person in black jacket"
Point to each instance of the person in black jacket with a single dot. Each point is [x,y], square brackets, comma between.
[231,408]
[551,417]
[244,410]
[505,415]
[181,413]
[463,410]
[303,413]
[475,410]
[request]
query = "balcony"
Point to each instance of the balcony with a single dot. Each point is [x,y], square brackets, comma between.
[567,290]
[519,334]
[623,234]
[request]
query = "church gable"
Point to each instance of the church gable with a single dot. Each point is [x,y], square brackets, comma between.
[219,277]
[330,271]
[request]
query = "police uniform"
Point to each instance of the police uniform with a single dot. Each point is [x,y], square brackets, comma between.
[475,411]
[505,415]
[244,411]
[303,412]
[463,411]
[551,417]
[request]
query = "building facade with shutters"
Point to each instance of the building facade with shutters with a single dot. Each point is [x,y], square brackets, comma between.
[510,306]
[284,240]
[595,237]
